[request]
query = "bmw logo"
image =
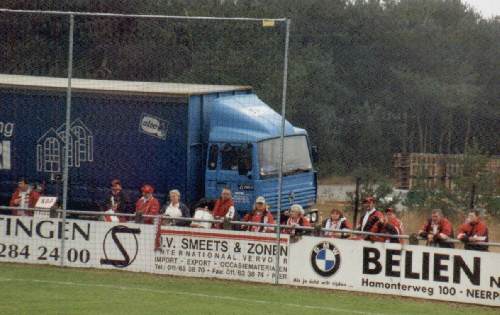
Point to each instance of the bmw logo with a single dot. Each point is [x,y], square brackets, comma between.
[325,259]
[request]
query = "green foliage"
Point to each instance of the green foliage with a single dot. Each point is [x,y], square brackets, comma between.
[366,78]
[375,185]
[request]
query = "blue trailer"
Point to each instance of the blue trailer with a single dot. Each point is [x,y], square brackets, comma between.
[195,138]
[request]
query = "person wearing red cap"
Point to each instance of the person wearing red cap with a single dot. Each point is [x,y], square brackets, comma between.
[336,221]
[369,221]
[147,204]
[259,214]
[472,231]
[437,230]
[224,208]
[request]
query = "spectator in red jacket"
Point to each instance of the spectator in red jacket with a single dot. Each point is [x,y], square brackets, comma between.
[296,218]
[392,219]
[369,221]
[336,221]
[259,214]
[24,197]
[147,204]
[472,231]
[388,225]
[224,208]
[437,230]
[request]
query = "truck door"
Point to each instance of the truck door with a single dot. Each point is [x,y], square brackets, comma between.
[236,173]
[234,170]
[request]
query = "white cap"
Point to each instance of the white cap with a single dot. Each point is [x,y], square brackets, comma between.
[298,208]
[260,199]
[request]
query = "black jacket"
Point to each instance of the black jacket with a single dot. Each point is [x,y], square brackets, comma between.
[123,201]
[186,213]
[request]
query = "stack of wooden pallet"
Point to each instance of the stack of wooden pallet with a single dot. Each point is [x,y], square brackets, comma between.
[431,169]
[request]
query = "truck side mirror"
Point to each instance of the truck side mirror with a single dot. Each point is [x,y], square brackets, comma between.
[315,154]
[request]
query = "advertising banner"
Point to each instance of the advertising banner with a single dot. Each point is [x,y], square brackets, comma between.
[406,270]
[220,254]
[244,256]
[37,240]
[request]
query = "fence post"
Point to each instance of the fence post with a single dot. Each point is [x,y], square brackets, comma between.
[472,196]
[356,201]
[282,148]
[67,135]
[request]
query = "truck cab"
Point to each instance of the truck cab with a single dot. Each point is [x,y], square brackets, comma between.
[243,154]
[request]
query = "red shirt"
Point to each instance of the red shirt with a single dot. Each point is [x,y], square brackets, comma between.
[300,221]
[224,208]
[386,228]
[443,226]
[340,224]
[397,224]
[32,199]
[259,217]
[371,224]
[478,229]
[149,207]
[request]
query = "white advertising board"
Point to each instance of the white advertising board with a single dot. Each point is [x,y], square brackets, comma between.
[88,243]
[406,270]
[244,256]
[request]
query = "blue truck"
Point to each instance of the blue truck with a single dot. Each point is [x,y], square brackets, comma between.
[195,138]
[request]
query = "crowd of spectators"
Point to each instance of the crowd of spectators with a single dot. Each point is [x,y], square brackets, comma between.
[380,225]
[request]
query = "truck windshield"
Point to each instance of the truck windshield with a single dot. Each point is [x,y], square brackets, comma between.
[296,156]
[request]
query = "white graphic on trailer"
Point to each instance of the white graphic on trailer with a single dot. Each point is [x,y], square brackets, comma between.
[5,155]
[6,131]
[51,146]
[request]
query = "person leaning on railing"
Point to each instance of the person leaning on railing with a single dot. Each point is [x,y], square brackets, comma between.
[369,221]
[474,230]
[259,214]
[174,208]
[202,212]
[116,202]
[224,208]
[24,197]
[386,226]
[437,230]
[146,205]
[390,213]
[296,218]
[336,221]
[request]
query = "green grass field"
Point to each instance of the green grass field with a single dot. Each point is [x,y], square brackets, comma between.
[28,289]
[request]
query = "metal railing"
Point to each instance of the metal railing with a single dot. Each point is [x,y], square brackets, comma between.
[241,223]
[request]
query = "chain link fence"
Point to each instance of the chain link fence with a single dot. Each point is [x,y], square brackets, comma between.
[143,99]
[192,103]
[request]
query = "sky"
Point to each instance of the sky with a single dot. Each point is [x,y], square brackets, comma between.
[488,8]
